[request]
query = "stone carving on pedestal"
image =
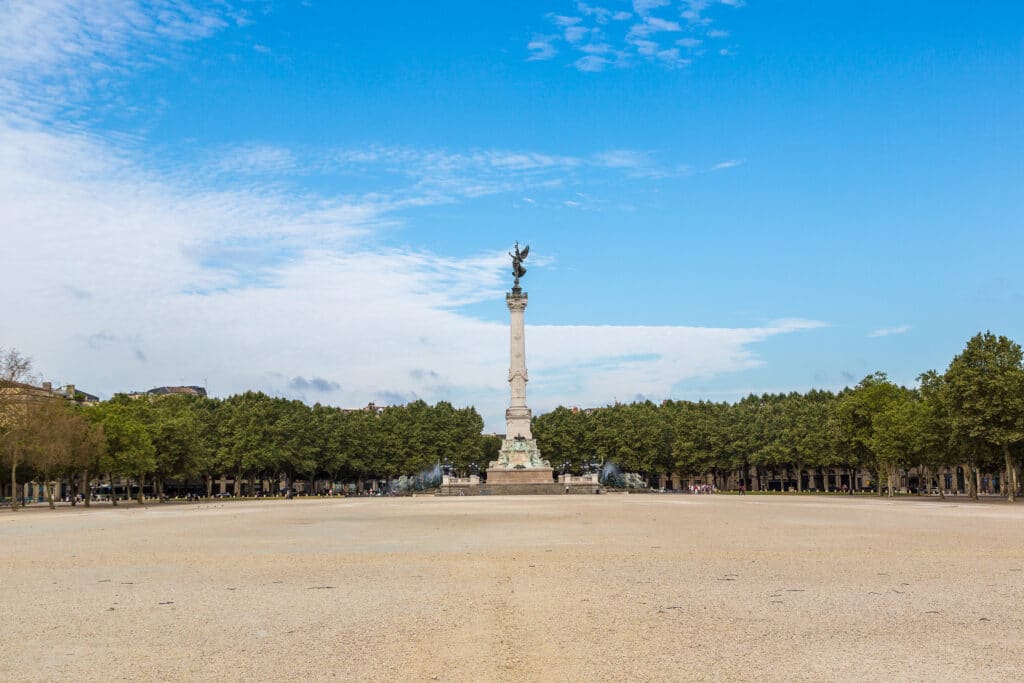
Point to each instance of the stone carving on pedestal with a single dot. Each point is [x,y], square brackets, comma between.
[519,460]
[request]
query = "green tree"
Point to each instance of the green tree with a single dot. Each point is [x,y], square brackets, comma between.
[897,434]
[937,443]
[176,433]
[986,391]
[854,421]
[89,448]
[245,436]
[812,442]
[15,370]
[130,450]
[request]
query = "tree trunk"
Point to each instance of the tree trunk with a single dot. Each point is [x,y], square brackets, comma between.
[238,483]
[755,479]
[142,485]
[209,486]
[88,492]
[972,487]
[49,493]
[14,484]
[940,479]
[1011,494]
[113,497]
[160,490]
[799,477]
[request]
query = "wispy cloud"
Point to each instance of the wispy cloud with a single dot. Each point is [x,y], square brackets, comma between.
[542,48]
[56,53]
[889,331]
[255,159]
[730,163]
[609,37]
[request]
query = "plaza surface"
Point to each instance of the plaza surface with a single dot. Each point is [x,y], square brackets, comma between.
[613,587]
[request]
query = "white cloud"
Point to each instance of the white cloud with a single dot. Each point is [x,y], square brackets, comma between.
[730,163]
[575,34]
[563,21]
[642,7]
[624,39]
[256,159]
[636,164]
[596,48]
[656,24]
[600,14]
[889,331]
[54,52]
[591,63]
[151,281]
[541,48]
[623,158]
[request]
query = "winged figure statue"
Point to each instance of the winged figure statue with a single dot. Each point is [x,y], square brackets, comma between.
[517,261]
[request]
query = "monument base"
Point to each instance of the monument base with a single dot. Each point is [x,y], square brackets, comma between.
[545,489]
[532,475]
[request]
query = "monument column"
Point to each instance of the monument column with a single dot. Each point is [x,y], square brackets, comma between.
[517,416]
[519,463]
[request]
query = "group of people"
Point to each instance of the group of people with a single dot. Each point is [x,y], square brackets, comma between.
[703,489]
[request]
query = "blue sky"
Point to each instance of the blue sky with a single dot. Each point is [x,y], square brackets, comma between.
[315,198]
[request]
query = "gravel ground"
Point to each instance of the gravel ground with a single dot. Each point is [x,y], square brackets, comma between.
[614,587]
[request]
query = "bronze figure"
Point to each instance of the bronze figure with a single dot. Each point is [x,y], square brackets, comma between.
[517,262]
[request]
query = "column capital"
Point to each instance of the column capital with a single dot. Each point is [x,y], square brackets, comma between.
[516,301]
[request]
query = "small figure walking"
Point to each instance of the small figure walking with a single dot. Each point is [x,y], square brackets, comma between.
[743,489]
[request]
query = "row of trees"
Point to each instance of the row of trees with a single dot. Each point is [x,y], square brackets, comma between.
[971,414]
[249,436]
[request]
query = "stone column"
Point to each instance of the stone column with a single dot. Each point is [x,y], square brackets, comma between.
[517,417]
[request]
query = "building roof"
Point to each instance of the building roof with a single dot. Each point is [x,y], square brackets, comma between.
[187,390]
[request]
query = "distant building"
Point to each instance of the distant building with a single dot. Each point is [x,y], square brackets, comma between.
[47,390]
[167,391]
[71,393]
[585,411]
[370,407]
[19,392]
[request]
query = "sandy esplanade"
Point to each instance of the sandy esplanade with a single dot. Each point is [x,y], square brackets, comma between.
[613,587]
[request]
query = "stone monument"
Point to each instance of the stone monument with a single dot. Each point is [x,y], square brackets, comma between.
[519,460]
